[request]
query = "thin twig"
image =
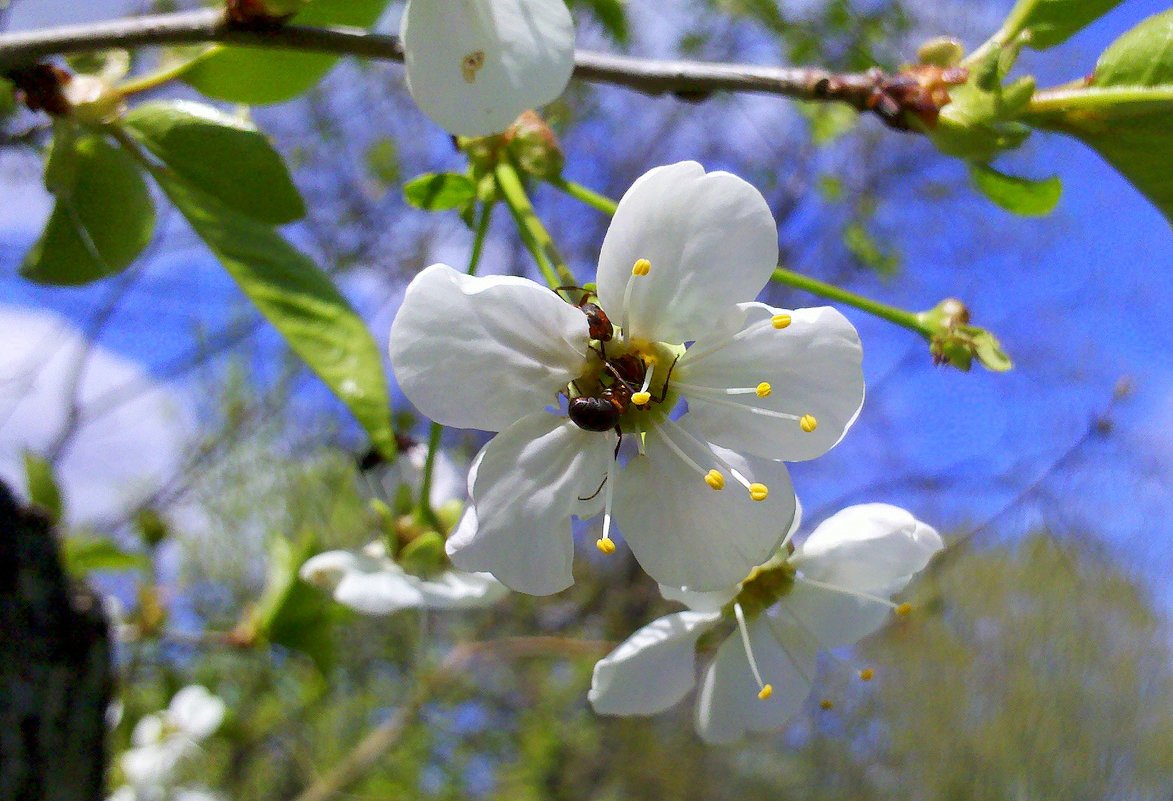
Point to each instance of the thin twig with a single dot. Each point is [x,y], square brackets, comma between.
[688,79]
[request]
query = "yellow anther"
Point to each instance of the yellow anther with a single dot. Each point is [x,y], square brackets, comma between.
[605,545]
[766,691]
[781,321]
[641,398]
[808,423]
[867,674]
[715,480]
[641,267]
[826,703]
[764,390]
[904,608]
[758,492]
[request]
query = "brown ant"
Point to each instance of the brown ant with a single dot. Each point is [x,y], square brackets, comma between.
[602,412]
[598,323]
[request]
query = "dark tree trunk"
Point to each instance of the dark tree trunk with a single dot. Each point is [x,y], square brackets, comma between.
[55,675]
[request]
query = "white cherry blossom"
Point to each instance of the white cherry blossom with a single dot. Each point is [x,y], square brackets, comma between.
[833,590]
[682,262]
[474,65]
[164,739]
[370,582]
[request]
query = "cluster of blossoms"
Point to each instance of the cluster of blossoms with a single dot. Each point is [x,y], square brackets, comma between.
[670,352]
[713,391]
[162,741]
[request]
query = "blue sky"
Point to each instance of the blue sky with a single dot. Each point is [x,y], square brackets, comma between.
[1080,299]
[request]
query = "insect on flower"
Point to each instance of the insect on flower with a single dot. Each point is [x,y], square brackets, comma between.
[705,494]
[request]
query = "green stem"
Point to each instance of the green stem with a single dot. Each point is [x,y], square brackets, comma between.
[1088,98]
[535,236]
[425,499]
[153,80]
[478,242]
[892,314]
[588,196]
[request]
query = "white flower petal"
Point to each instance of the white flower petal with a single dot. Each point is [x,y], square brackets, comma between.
[474,65]
[455,589]
[830,618]
[685,534]
[148,730]
[813,367]
[525,485]
[869,547]
[155,764]
[700,601]
[378,587]
[196,712]
[652,669]
[482,353]
[728,705]
[711,241]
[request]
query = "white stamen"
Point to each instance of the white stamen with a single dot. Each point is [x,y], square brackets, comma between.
[866,596]
[717,398]
[694,354]
[676,428]
[744,629]
[648,377]
[660,429]
[608,494]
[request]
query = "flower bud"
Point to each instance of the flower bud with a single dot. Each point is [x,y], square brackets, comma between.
[535,147]
[91,99]
[941,51]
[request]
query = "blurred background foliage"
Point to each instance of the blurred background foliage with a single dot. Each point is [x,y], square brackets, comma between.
[1035,667]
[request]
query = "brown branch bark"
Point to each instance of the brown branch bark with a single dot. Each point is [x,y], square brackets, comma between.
[687,79]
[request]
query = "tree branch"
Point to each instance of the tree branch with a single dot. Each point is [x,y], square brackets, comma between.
[687,79]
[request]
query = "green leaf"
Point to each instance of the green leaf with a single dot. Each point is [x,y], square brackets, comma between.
[292,614]
[43,489]
[220,154]
[7,98]
[864,247]
[1016,195]
[382,160]
[259,75]
[1125,112]
[440,191]
[299,300]
[612,15]
[828,121]
[103,217]
[989,352]
[110,65]
[1046,23]
[83,555]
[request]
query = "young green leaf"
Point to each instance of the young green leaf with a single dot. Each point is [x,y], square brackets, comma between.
[1046,23]
[1022,196]
[1125,112]
[258,76]
[299,300]
[612,15]
[43,489]
[103,217]
[292,614]
[440,191]
[220,154]
[85,554]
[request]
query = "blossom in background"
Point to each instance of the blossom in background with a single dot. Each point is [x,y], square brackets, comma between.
[684,257]
[161,741]
[373,584]
[833,590]
[474,65]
